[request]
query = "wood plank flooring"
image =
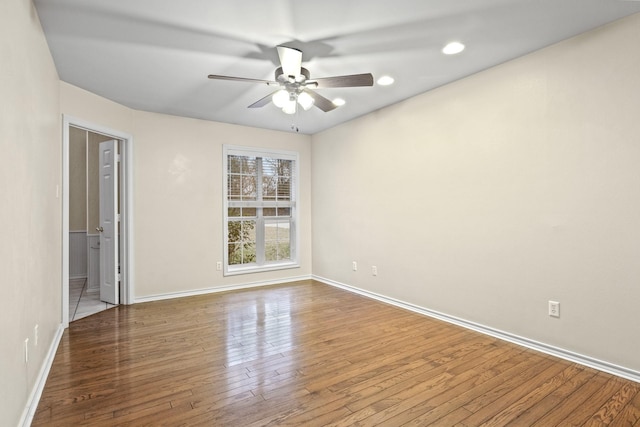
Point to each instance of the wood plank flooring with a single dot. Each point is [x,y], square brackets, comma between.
[310,354]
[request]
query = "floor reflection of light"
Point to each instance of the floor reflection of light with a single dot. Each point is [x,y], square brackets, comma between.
[258,329]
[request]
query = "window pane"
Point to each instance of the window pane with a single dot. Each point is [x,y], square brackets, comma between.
[241,231]
[241,212]
[284,211]
[249,187]
[249,212]
[269,187]
[276,181]
[249,253]
[242,242]
[285,167]
[233,187]
[269,211]
[270,231]
[235,254]
[277,240]
[235,231]
[249,231]
[284,188]
[234,164]
[269,166]
[242,173]
[248,165]
[271,251]
[283,230]
[284,252]
[285,171]
[284,243]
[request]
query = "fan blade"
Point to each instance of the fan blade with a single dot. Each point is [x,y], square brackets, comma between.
[242,79]
[321,102]
[262,101]
[291,60]
[353,80]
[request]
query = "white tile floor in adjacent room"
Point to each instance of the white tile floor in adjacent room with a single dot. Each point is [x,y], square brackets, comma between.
[83,303]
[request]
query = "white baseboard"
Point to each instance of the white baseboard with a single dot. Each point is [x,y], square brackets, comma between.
[600,365]
[36,392]
[34,398]
[630,374]
[216,289]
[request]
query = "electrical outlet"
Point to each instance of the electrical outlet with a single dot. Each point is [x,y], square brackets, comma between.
[374,270]
[219,265]
[554,309]
[35,335]
[354,266]
[26,350]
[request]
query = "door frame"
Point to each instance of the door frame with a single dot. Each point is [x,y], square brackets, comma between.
[126,209]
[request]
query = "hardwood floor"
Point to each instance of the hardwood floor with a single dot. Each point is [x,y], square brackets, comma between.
[310,354]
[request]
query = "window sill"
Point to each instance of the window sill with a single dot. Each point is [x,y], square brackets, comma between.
[234,271]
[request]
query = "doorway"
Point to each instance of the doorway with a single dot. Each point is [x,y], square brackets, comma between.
[81,264]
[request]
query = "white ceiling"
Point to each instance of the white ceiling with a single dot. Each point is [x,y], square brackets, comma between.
[155,55]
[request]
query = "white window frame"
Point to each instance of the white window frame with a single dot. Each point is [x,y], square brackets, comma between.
[294,236]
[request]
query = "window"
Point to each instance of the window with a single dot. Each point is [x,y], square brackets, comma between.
[260,189]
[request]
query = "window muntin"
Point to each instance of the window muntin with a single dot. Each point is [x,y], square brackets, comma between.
[260,209]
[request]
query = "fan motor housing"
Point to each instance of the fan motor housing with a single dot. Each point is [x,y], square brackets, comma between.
[282,78]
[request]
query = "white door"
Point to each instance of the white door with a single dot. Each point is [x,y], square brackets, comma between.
[108,228]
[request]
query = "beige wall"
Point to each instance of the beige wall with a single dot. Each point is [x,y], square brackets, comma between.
[77,179]
[81,104]
[178,201]
[84,182]
[488,197]
[482,199]
[30,237]
[178,193]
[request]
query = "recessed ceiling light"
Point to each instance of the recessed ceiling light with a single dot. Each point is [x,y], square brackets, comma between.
[453,48]
[339,102]
[385,80]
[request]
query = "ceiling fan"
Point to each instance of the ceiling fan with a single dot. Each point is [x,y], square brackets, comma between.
[295,84]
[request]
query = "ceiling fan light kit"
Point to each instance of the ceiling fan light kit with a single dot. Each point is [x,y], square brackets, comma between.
[295,84]
[288,101]
[280,98]
[305,100]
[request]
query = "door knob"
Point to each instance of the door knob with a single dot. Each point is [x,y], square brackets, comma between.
[100,229]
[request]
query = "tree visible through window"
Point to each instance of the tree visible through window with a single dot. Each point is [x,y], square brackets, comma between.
[260,209]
